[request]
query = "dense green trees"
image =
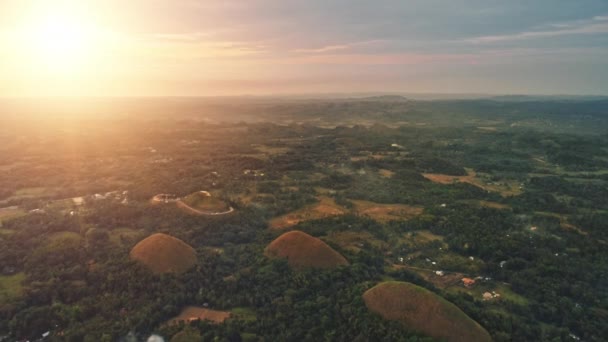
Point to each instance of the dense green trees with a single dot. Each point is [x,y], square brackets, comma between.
[81,285]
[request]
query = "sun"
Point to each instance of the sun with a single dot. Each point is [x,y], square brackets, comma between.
[59,41]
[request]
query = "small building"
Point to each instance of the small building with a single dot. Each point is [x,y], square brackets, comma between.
[439,273]
[98,197]
[487,296]
[78,201]
[468,282]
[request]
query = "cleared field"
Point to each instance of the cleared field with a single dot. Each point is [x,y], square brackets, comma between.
[33,192]
[487,128]
[354,241]
[326,207]
[420,237]
[272,150]
[10,213]
[477,291]
[195,313]
[367,157]
[505,188]
[204,202]
[127,235]
[441,282]
[243,313]
[386,212]
[57,237]
[563,222]
[10,287]
[386,173]
[6,232]
[494,205]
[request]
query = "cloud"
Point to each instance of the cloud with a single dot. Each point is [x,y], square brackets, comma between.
[337,47]
[377,59]
[596,25]
[324,49]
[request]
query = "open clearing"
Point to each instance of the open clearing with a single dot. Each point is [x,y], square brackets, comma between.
[487,128]
[442,282]
[326,207]
[33,192]
[195,313]
[505,187]
[126,235]
[10,287]
[244,313]
[478,289]
[419,238]
[563,222]
[384,173]
[204,202]
[355,241]
[272,150]
[63,236]
[386,212]
[9,213]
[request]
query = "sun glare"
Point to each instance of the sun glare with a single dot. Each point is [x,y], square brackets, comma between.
[58,40]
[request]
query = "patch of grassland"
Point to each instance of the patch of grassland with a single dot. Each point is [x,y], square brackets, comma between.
[243,313]
[10,287]
[125,234]
[7,214]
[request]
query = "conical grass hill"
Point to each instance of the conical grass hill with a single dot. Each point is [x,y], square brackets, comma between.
[423,311]
[304,251]
[162,253]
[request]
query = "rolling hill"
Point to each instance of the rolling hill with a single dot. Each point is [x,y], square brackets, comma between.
[302,251]
[423,311]
[162,253]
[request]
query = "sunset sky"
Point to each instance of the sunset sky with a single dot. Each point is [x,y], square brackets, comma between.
[195,47]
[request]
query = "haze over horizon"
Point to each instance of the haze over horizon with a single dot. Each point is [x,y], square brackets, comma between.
[259,47]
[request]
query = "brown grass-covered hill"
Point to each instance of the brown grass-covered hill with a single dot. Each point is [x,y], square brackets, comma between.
[162,253]
[423,311]
[302,251]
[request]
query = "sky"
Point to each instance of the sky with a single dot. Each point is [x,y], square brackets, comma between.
[264,47]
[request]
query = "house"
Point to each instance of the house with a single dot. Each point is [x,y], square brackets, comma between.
[98,197]
[78,201]
[468,282]
[487,296]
